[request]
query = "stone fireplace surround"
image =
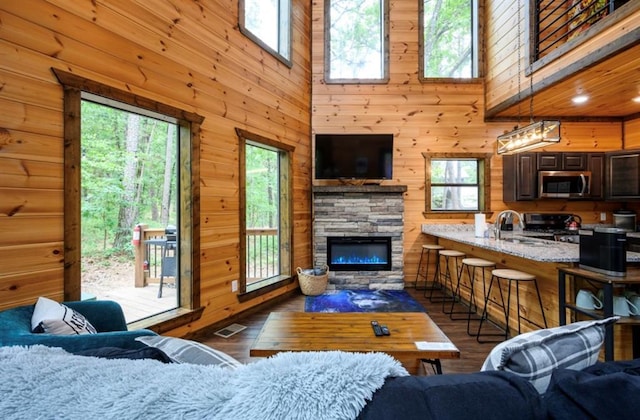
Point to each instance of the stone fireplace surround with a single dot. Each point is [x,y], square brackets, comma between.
[367,210]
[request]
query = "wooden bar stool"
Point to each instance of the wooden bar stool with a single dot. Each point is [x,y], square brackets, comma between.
[510,276]
[446,278]
[427,248]
[472,265]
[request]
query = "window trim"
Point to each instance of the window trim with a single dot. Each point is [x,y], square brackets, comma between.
[477,41]
[484,183]
[285,153]
[385,46]
[189,143]
[256,39]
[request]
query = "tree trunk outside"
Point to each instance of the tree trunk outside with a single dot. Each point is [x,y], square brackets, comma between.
[129,206]
[168,174]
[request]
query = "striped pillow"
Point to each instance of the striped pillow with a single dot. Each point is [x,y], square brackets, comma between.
[535,355]
[187,351]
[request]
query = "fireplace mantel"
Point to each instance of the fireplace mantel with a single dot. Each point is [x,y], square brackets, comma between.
[367,189]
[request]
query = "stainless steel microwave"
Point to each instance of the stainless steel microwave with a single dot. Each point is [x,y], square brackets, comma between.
[564,184]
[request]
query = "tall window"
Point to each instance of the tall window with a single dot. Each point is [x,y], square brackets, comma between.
[129,179]
[448,39]
[126,163]
[268,23]
[266,218]
[457,183]
[356,41]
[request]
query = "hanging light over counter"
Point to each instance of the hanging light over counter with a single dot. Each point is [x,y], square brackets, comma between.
[536,134]
[529,137]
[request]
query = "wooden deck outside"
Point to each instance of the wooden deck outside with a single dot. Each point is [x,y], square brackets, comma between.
[142,302]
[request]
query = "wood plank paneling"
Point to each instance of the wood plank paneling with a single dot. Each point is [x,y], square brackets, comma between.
[439,117]
[182,53]
[191,55]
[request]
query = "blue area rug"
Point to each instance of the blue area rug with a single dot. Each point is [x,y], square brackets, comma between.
[363,301]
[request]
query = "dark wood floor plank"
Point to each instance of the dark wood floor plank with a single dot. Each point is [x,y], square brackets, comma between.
[472,353]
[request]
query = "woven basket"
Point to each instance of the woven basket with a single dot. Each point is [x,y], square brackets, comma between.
[313,285]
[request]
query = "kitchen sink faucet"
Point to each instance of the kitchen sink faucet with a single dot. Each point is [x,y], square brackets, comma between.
[502,214]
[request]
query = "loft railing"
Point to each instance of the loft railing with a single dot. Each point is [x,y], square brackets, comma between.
[559,21]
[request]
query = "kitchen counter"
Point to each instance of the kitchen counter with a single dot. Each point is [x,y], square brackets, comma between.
[526,252]
[518,243]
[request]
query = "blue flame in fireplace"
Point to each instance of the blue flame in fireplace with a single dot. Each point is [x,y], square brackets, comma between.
[354,259]
[359,253]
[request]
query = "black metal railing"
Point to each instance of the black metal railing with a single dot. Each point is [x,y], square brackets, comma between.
[559,21]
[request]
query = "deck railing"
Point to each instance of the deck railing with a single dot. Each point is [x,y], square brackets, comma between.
[559,21]
[262,255]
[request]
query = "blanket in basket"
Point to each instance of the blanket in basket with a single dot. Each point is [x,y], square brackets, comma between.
[43,382]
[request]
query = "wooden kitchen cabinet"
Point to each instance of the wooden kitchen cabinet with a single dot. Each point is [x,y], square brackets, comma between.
[623,176]
[520,172]
[549,161]
[562,161]
[596,165]
[519,177]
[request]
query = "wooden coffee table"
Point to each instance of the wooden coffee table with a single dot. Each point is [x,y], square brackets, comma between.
[351,331]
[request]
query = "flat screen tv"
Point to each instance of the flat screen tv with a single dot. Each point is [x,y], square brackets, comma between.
[354,156]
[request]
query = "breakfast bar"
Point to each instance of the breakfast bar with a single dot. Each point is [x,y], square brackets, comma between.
[524,251]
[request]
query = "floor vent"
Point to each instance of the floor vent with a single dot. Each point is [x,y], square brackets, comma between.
[232,329]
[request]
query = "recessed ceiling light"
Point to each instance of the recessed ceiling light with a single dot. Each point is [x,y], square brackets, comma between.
[580,99]
[636,99]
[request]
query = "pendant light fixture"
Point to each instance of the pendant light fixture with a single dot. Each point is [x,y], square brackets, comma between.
[536,134]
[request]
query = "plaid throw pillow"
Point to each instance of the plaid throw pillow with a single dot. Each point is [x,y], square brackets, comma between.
[535,355]
[187,351]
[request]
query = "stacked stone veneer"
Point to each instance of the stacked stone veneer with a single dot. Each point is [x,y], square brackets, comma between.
[369,210]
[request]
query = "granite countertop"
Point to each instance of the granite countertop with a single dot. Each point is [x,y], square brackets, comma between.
[518,243]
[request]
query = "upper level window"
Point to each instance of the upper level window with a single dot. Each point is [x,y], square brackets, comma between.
[457,183]
[268,23]
[356,41]
[448,39]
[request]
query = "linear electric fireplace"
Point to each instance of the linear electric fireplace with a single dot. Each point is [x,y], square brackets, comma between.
[358,253]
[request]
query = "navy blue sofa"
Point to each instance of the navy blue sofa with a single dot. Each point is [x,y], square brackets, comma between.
[607,390]
[106,316]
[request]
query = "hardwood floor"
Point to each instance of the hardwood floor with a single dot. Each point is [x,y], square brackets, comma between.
[472,353]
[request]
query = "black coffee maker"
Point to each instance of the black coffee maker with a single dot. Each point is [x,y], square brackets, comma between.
[604,250]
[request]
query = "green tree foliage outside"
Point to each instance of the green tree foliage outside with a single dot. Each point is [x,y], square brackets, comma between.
[454,184]
[356,39]
[123,176]
[447,38]
[262,190]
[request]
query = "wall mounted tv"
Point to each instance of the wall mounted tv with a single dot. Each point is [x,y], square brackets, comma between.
[354,156]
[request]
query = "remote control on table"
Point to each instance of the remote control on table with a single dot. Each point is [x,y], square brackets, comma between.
[377,330]
[385,330]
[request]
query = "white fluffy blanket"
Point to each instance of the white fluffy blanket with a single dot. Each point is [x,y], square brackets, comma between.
[41,382]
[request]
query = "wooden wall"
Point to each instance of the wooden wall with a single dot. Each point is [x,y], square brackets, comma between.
[436,117]
[184,53]
[191,55]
